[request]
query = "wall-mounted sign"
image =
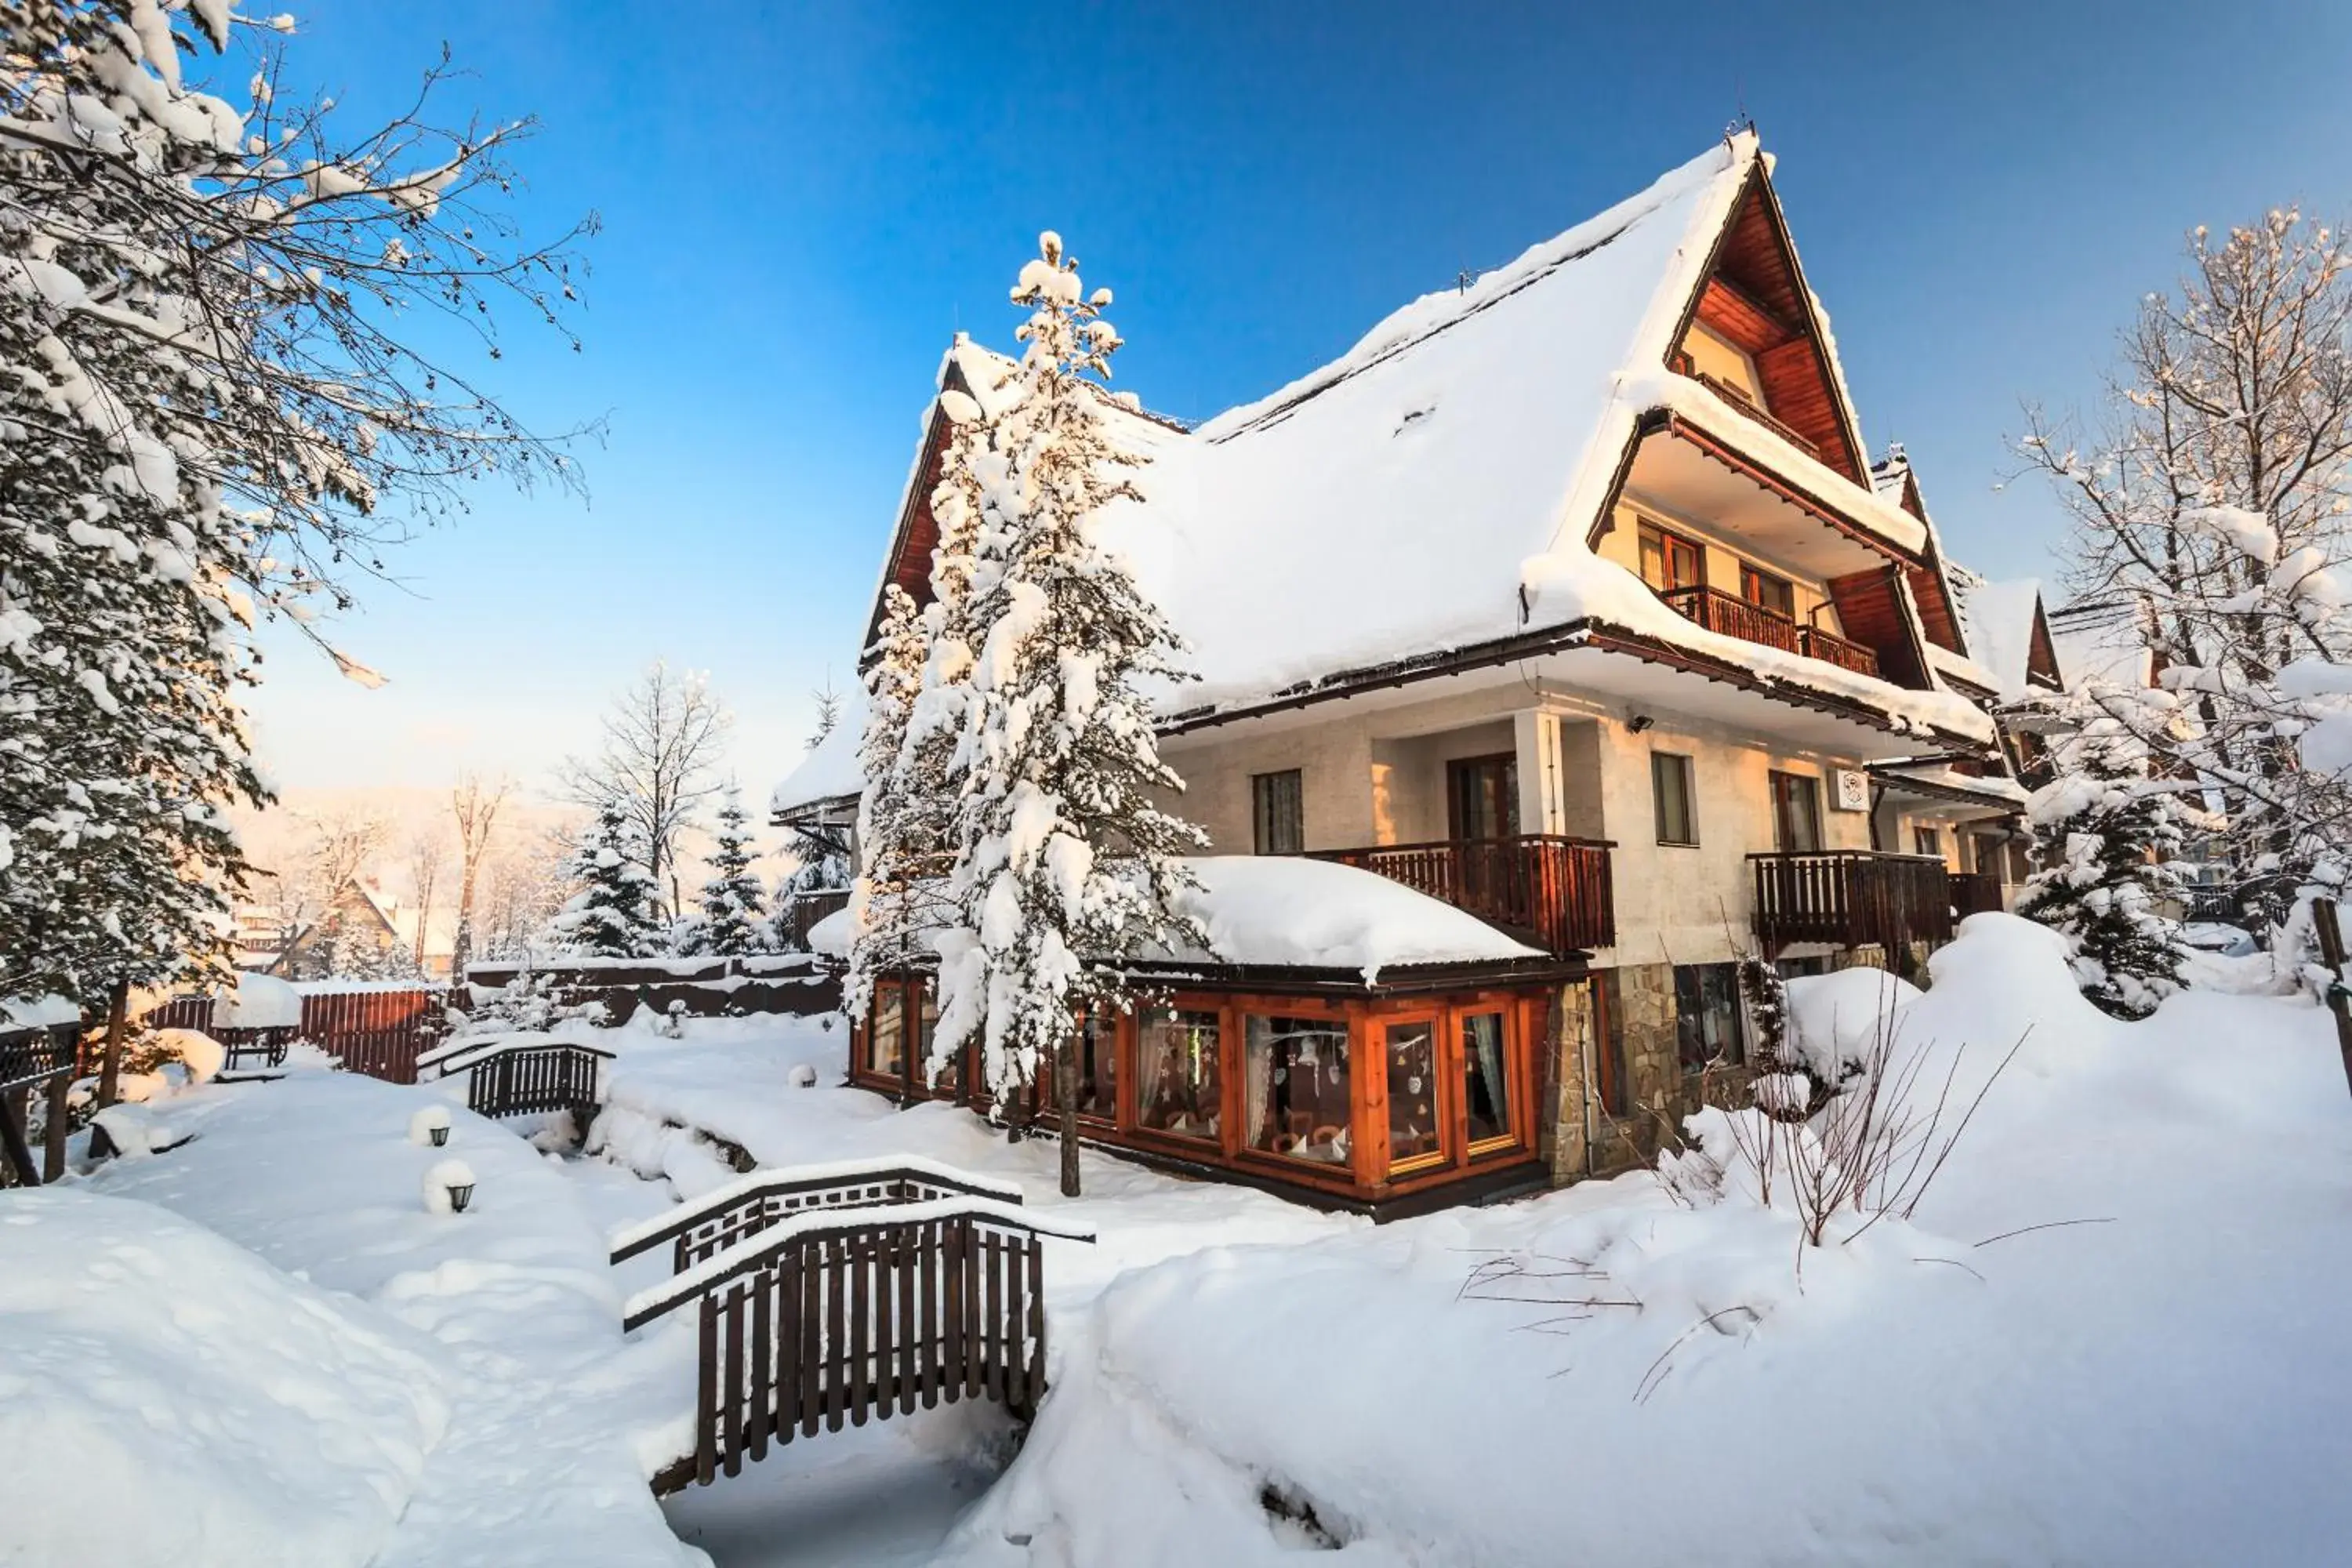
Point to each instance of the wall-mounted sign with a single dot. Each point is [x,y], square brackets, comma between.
[1850,789]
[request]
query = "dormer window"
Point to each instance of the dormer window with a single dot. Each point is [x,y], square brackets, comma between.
[1717,359]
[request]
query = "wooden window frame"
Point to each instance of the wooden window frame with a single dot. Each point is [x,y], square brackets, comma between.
[1812,791]
[1262,815]
[1927,839]
[1457,768]
[1458,1017]
[1686,768]
[1668,537]
[1753,579]
[1441,1096]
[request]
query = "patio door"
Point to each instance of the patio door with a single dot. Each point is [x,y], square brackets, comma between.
[1482,803]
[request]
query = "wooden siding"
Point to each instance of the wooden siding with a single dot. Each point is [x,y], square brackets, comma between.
[1870,608]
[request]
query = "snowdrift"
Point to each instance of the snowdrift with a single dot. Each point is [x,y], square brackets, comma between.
[2107,1335]
[166,1396]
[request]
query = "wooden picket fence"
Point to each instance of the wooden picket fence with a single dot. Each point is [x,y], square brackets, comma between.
[838,1313]
[374,1032]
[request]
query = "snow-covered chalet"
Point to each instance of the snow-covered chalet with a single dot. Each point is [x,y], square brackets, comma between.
[1558,646]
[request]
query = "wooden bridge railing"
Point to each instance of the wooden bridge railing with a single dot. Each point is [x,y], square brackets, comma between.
[521,1076]
[837,1315]
[35,1062]
[702,1227]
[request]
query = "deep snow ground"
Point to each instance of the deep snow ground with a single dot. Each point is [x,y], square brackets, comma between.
[2110,1334]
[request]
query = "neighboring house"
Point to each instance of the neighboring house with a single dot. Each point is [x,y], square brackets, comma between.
[362,933]
[1571,599]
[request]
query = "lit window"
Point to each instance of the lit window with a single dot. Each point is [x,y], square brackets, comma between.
[1670,788]
[885,1036]
[1177,1083]
[1669,560]
[1762,589]
[1294,1086]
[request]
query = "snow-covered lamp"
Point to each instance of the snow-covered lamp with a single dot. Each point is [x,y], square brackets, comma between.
[429,1126]
[448,1187]
[803,1076]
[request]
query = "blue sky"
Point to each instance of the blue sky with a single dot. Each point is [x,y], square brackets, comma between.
[801,204]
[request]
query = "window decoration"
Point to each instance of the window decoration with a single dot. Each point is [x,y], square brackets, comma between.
[1416,1135]
[1295,1087]
[1178,1085]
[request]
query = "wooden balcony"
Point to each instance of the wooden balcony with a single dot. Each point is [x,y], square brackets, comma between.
[1550,891]
[1736,618]
[1850,898]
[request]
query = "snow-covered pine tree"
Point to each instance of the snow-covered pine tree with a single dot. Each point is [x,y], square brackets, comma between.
[881,912]
[1063,861]
[210,418]
[2106,836]
[733,902]
[612,915]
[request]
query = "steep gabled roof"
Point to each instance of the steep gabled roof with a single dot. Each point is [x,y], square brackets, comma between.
[1435,487]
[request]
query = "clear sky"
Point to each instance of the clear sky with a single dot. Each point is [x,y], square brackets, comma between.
[802,203]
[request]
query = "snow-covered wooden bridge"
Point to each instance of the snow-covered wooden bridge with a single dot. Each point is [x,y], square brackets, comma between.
[830,1295]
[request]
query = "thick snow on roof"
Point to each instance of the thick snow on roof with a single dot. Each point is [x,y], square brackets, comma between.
[1381,506]
[2100,643]
[1281,910]
[1433,487]
[830,770]
[1997,618]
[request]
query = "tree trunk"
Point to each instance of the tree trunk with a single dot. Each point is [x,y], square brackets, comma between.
[1066,1096]
[110,1071]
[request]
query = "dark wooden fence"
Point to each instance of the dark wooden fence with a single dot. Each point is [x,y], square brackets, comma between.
[378,1033]
[1975,893]
[1852,898]
[851,1310]
[35,1063]
[1557,890]
[802,912]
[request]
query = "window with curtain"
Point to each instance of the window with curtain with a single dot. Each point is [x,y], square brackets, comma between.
[885,1033]
[1669,560]
[1278,812]
[1295,1087]
[1706,1015]
[1416,1137]
[1767,592]
[1670,788]
[1177,1081]
[1486,1078]
[1097,1095]
[1796,813]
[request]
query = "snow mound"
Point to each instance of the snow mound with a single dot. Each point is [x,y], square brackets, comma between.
[1837,1016]
[260,1002]
[166,1396]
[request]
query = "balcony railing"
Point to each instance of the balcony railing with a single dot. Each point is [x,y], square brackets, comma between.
[1850,898]
[1736,618]
[1974,893]
[1555,891]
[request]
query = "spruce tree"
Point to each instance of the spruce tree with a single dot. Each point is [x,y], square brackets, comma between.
[732,923]
[612,915]
[1062,861]
[2105,835]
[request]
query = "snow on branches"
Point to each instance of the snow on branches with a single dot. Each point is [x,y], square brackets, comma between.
[733,921]
[209,405]
[612,915]
[2107,835]
[2214,509]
